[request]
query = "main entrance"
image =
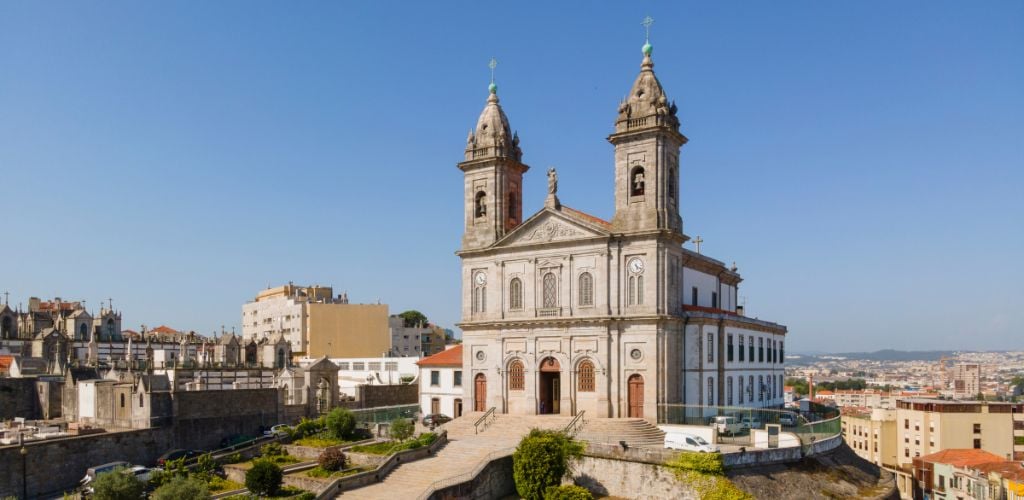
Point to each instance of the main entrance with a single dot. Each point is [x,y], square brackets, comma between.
[635,392]
[549,392]
[480,392]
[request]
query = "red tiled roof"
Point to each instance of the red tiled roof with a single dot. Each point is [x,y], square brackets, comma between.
[5,363]
[163,329]
[962,457]
[1006,468]
[585,216]
[447,357]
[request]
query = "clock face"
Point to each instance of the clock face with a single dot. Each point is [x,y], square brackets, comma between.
[636,266]
[481,279]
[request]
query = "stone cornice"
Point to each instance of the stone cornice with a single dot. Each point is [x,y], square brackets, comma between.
[565,322]
[704,318]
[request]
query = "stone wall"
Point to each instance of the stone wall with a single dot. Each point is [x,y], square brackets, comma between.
[204,418]
[18,398]
[54,466]
[494,482]
[373,396]
[626,479]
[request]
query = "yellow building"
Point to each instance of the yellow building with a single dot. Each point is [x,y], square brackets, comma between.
[348,330]
[871,433]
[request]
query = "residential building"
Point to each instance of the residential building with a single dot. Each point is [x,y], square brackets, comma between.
[316,323]
[871,434]
[966,380]
[353,372]
[945,474]
[566,312]
[441,383]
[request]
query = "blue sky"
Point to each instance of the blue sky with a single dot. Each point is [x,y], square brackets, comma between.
[862,162]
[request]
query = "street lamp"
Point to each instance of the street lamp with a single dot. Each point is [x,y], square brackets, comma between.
[24,469]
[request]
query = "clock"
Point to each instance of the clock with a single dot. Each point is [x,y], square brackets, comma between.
[636,266]
[481,279]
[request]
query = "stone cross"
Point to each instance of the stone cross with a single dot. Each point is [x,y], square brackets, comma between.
[493,64]
[697,242]
[110,303]
[648,21]
[7,298]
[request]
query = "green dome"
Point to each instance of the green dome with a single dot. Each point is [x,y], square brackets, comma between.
[493,88]
[647,49]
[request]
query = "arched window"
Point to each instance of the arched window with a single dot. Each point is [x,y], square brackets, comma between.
[586,377]
[6,330]
[711,391]
[516,378]
[636,182]
[739,391]
[280,357]
[672,183]
[122,400]
[639,290]
[479,295]
[110,329]
[550,291]
[728,388]
[513,212]
[82,331]
[586,289]
[632,291]
[141,402]
[515,294]
[480,204]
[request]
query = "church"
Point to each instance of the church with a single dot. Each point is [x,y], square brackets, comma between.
[564,312]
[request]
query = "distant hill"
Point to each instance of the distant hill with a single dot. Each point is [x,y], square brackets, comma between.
[894,355]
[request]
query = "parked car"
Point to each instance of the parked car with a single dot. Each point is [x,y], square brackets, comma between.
[750,422]
[787,420]
[92,472]
[178,454]
[436,419]
[279,430]
[141,473]
[726,425]
[688,442]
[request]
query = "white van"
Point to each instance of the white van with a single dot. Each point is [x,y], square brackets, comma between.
[726,425]
[688,442]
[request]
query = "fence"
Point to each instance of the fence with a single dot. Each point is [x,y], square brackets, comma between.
[812,424]
[384,414]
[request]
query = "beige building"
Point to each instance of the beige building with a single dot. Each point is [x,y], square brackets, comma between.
[566,312]
[317,323]
[966,380]
[871,433]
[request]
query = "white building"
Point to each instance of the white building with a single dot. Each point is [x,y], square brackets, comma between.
[441,383]
[566,312]
[353,372]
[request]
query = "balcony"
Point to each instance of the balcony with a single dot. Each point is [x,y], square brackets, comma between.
[548,312]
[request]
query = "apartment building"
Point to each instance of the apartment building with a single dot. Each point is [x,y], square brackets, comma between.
[966,380]
[871,434]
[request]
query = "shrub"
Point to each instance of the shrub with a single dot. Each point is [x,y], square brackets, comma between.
[331,459]
[706,463]
[264,478]
[401,429]
[541,460]
[705,472]
[307,427]
[567,492]
[233,458]
[181,488]
[272,450]
[117,485]
[340,422]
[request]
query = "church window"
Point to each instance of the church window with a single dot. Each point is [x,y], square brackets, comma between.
[480,204]
[110,329]
[586,289]
[632,290]
[711,391]
[728,388]
[82,331]
[739,392]
[515,294]
[586,374]
[6,328]
[694,295]
[672,183]
[516,378]
[742,347]
[513,213]
[636,182]
[122,400]
[711,347]
[550,291]
[639,290]
[141,401]
[479,296]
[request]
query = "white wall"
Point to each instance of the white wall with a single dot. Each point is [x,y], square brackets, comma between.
[446,391]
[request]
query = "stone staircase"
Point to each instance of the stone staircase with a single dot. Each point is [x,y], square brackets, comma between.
[464,451]
[636,432]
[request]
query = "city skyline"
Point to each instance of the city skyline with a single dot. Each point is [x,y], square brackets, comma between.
[215,155]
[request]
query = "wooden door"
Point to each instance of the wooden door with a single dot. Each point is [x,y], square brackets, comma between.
[636,396]
[435,405]
[480,393]
[458,408]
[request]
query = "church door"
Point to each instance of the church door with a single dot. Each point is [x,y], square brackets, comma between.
[636,396]
[480,393]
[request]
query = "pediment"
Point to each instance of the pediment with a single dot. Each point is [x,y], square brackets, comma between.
[549,226]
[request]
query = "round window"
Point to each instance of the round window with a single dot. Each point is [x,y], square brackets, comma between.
[636,354]
[480,356]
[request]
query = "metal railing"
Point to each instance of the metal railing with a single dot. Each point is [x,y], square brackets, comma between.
[575,425]
[486,420]
[817,423]
[441,484]
[385,413]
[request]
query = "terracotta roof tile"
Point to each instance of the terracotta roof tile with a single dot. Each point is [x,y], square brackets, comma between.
[962,457]
[447,357]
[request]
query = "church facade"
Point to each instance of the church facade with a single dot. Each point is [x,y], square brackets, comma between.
[565,312]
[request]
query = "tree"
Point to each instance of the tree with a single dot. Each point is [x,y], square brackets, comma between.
[331,459]
[264,478]
[567,492]
[340,423]
[413,318]
[118,484]
[182,488]
[541,460]
[401,429]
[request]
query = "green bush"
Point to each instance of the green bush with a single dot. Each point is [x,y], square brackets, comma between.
[331,459]
[233,458]
[706,463]
[567,492]
[541,460]
[118,484]
[705,472]
[307,427]
[264,478]
[182,488]
[272,450]
[340,422]
[401,429]
[1018,440]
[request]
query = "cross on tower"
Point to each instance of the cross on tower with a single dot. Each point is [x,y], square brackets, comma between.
[697,242]
[648,21]
[493,64]
[7,298]
[110,303]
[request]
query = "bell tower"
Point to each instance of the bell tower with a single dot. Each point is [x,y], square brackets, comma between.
[493,171]
[647,143]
